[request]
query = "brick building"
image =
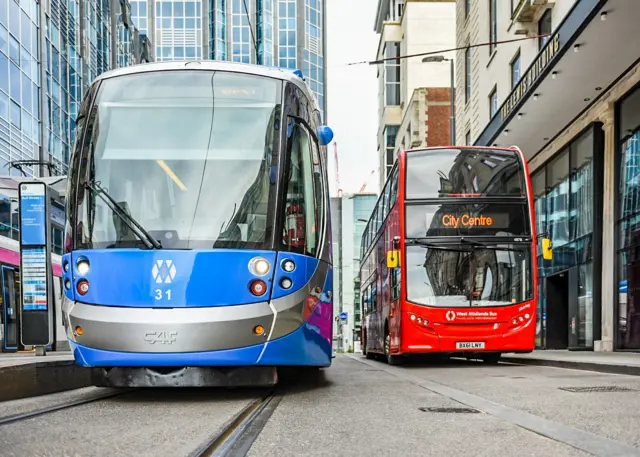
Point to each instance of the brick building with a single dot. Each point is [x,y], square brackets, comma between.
[426,119]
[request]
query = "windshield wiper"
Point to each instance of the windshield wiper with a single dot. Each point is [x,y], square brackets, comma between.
[149,241]
[442,246]
[474,243]
[495,244]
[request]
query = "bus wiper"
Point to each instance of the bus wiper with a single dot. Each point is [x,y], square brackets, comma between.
[149,241]
[492,244]
[441,246]
[475,243]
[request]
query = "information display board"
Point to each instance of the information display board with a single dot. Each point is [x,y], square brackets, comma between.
[36,314]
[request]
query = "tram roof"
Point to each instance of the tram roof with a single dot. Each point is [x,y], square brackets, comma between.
[284,74]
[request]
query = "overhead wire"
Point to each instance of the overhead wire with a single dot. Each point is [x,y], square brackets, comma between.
[442,51]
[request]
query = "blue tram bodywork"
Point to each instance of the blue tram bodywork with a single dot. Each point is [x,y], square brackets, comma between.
[130,307]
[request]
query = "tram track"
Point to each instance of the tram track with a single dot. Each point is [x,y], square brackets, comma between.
[236,437]
[10,419]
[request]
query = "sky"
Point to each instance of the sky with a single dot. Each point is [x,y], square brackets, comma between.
[352,94]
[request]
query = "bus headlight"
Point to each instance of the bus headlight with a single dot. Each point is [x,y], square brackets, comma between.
[259,266]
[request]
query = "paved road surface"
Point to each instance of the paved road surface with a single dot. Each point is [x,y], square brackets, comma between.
[360,407]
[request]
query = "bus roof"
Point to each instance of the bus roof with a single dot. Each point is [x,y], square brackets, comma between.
[432,148]
[293,76]
[513,148]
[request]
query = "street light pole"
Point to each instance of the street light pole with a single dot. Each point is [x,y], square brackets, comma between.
[452,89]
[453,104]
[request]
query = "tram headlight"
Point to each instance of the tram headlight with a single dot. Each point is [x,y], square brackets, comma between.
[83,267]
[259,266]
[288,266]
[286,283]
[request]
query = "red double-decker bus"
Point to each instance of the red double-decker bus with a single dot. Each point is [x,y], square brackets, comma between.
[448,261]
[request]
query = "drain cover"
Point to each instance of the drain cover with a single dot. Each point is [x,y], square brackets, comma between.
[597,389]
[449,410]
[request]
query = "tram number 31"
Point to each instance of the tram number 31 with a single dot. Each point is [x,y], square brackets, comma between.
[159,294]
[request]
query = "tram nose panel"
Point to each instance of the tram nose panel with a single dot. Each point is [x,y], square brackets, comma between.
[169,278]
[177,330]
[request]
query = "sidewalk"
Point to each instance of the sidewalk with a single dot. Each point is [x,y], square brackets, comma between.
[24,374]
[27,358]
[604,362]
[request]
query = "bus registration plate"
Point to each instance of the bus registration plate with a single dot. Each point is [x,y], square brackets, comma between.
[470,345]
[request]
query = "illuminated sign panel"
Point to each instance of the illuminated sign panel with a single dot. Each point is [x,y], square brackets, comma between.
[485,219]
[466,220]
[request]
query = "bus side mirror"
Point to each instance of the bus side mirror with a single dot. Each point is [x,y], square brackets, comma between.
[547,251]
[393,259]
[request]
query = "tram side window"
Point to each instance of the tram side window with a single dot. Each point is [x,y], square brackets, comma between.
[301,208]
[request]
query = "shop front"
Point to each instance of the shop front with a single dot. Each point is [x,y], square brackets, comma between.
[628,222]
[567,197]
[575,114]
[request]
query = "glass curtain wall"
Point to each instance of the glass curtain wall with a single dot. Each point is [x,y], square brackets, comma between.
[564,206]
[628,227]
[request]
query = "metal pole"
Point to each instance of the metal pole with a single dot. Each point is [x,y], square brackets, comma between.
[453,110]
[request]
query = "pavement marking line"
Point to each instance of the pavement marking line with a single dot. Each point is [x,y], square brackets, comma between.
[579,439]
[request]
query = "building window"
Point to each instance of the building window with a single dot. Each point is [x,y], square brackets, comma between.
[390,134]
[493,25]
[400,9]
[467,8]
[467,75]
[544,28]
[493,102]
[287,36]
[467,138]
[392,74]
[515,70]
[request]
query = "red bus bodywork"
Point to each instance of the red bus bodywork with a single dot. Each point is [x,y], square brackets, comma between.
[414,328]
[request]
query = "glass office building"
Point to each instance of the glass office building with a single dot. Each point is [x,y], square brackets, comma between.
[43,76]
[283,33]
[354,212]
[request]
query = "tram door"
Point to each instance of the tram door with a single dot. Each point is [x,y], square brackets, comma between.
[10,311]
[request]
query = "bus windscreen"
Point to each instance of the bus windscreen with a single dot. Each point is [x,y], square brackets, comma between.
[464,172]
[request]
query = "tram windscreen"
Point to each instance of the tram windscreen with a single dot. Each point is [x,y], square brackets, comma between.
[187,154]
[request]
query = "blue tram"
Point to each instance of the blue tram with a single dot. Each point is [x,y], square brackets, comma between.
[198,239]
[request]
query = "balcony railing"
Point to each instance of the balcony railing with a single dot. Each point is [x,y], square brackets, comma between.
[525,10]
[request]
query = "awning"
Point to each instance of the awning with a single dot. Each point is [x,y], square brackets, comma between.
[585,56]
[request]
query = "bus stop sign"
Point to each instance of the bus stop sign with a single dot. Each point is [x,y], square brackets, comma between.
[36,310]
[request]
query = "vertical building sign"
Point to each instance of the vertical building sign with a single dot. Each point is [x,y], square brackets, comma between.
[36,308]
